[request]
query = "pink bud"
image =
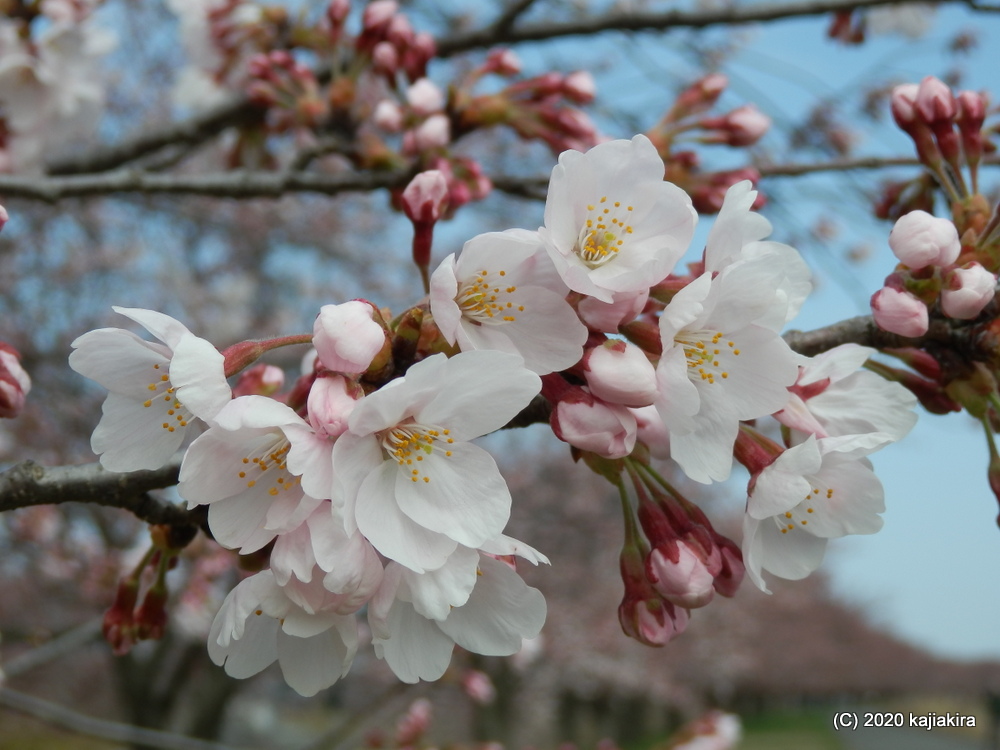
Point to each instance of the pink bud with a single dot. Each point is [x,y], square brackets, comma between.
[388,116]
[579,87]
[686,582]
[899,312]
[652,622]
[424,97]
[479,687]
[426,197]
[378,14]
[346,336]
[651,432]
[593,425]
[259,380]
[607,316]
[3,217]
[903,103]
[14,382]
[620,373]
[969,290]
[414,723]
[919,239]
[746,125]
[399,31]
[385,59]
[433,133]
[935,103]
[337,11]
[503,61]
[331,401]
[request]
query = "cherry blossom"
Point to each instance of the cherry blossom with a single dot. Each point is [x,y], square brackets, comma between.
[406,471]
[833,397]
[720,365]
[611,223]
[817,490]
[156,390]
[501,294]
[259,624]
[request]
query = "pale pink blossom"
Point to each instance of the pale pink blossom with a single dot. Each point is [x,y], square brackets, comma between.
[898,311]
[722,362]
[155,389]
[620,373]
[611,223]
[814,491]
[834,396]
[969,289]
[919,239]
[388,116]
[686,582]
[407,473]
[426,196]
[346,336]
[259,624]
[651,432]
[903,103]
[935,101]
[432,133]
[579,87]
[502,293]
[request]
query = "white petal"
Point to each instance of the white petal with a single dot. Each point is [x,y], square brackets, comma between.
[165,328]
[119,360]
[416,649]
[434,593]
[312,664]
[197,372]
[128,440]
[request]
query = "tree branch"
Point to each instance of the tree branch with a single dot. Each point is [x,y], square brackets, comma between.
[65,718]
[656,21]
[27,484]
[236,184]
[198,129]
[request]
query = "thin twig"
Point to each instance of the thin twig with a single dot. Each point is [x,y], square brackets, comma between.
[65,643]
[64,718]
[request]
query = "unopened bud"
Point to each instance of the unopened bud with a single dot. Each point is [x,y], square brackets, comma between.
[899,312]
[14,382]
[590,424]
[346,336]
[969,289]
[935,103]
[684,581]
[919,239]
[259,380]
[620,373]
[579,87]
[425,97]
[503,61]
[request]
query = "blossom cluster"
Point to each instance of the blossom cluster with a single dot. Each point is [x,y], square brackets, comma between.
[363,488]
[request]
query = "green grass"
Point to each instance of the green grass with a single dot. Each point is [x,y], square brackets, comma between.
[789,731]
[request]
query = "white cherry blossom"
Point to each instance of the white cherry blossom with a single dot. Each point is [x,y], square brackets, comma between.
[611,223]
[817,490]
[502,293]
[408,475]
[720,364]
[156,390]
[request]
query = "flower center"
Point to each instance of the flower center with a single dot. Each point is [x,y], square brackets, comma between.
[162,397]
[603,233]
[267,465]
[707,354]
[410,443]
[799,515]
[487,299]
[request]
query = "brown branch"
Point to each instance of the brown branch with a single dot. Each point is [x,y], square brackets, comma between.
[28,484]
[198,129]
[65,718]
[236,184]
[655,21]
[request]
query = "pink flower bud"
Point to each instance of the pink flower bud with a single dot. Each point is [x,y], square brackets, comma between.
[331,401]
[593,425]
[259,380]
[652,622]
[651,432]
[346,336]
[479,687]
[337,11]
[426,197]
[686,581]
[388,116]
[400,31]
[903,103]
[503,61]
[746,125]
[385,59]
[969,290]
[919,239]
[935,103]
[620,373]
[14,382]
[433,133]
[899,312]
[3,217]
[579,87]
[424,97]
[607,316]
[378,14]
[414,723]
